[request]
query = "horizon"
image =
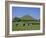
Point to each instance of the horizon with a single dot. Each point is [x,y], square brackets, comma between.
[23,11]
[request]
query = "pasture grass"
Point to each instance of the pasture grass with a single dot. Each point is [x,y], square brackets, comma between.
[25,27]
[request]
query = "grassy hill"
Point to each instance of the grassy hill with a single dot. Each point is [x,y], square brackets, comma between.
[25,23]
[24,18]
[27,17]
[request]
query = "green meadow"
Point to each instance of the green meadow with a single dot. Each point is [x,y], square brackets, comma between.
[21,27]
[25,23]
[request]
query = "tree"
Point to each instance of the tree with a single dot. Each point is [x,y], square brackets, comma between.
[16,19]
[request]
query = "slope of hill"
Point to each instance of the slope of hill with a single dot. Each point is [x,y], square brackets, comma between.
[24,18]
[27,17]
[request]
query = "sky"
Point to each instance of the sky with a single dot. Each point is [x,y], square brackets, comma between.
[22,11]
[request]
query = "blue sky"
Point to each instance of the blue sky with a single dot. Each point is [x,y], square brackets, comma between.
[21,11]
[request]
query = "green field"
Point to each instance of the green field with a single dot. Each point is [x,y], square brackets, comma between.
[25,23]
[19,26]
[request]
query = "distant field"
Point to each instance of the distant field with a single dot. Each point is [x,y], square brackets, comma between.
[20,26]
